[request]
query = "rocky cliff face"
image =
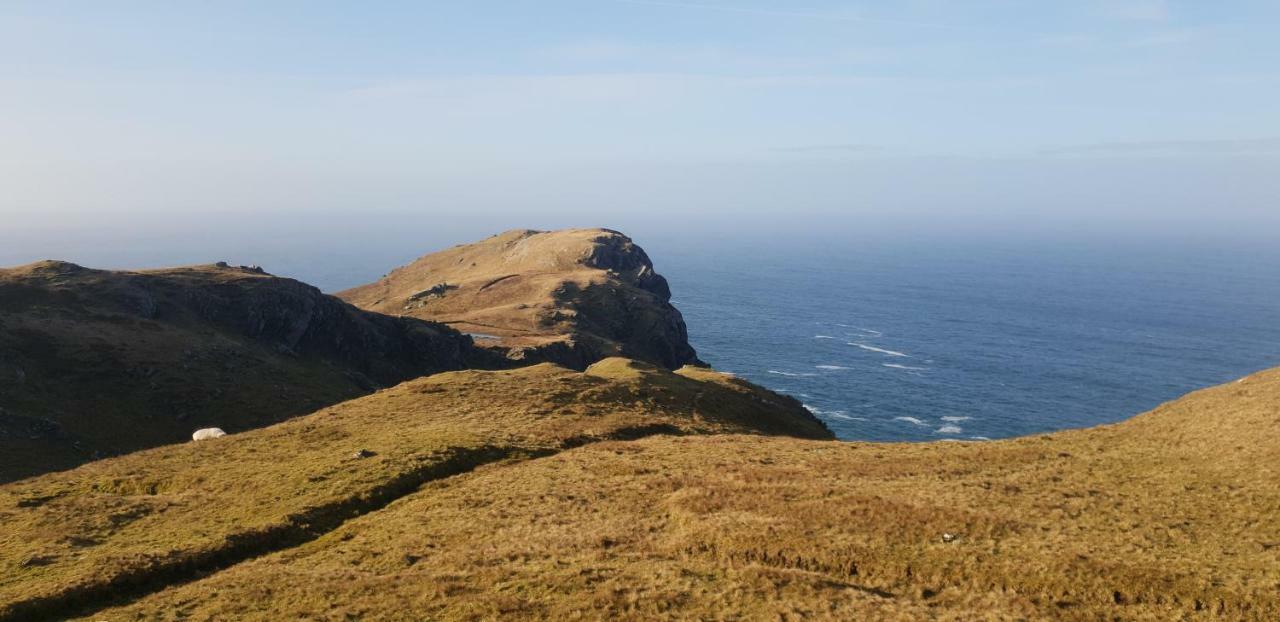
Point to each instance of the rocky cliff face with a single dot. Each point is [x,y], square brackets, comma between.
[571,297]
[96,362]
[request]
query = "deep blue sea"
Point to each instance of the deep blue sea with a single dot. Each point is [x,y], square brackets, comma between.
[883,337]
[977,341]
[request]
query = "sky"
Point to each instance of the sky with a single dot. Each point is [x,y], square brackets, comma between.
[189,126]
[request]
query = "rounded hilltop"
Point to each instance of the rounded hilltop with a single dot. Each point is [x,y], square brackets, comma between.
[630,492]
[572,297]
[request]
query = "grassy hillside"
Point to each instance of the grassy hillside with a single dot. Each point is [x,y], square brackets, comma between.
[149,519]
[95,363]
[1167,516]
[571,297]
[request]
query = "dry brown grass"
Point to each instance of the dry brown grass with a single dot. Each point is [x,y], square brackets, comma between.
[1169,516]
[159,516]
[544,296]
[505,284]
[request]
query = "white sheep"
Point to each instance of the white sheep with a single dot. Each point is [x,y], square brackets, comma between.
[207,433]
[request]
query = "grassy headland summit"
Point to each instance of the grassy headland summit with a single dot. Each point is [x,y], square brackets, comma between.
[569,297]
[575,461]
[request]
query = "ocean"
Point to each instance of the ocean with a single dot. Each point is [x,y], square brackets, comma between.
[931,341]
[883,337]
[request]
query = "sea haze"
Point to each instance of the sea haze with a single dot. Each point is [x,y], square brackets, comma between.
[967,341]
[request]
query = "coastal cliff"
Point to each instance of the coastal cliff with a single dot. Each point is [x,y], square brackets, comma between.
[619,489]
[96,362]
[570,297]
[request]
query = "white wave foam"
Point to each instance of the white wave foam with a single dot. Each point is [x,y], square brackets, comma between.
[834,414]
[980,438]
[823,337]
[910,420]
[950,429]
[832,367]
[907,367]
[955,419]
[790,374]
[859,328]
[875,349]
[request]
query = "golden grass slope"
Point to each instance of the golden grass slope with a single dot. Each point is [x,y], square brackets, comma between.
[572,296]
[1174,515]
[143,521]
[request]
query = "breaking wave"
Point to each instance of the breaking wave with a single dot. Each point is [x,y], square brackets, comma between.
[868,331]
[834,414]
[875,349]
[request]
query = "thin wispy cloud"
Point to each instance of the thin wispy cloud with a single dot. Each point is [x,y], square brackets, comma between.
[1233,146]
[704,58]
[1136,10]
[1070,40]
[829,16]
[515,90]
[830,148]
[1167,38]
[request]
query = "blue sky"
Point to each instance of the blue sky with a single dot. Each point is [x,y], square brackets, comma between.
[477,116]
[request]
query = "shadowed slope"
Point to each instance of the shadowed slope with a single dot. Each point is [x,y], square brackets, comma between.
[96,362]
[571,297]
[142,521]
[1168,516]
